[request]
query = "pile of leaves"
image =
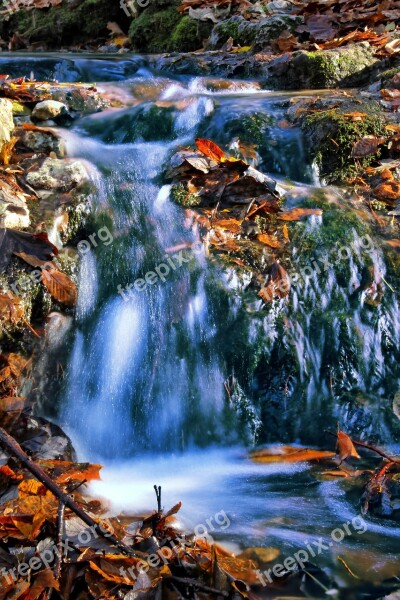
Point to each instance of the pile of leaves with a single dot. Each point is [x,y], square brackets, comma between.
[326,23]
[236,210]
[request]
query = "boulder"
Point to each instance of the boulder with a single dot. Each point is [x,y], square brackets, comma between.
[48,109]
[350,66]
[43,141]
[56,174]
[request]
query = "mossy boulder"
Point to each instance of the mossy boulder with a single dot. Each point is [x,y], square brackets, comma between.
[166,30]
[63,25]
[330,138]
[351,66]
[247,33]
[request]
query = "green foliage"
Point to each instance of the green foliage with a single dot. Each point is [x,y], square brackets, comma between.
[189,34]
[62,25]
[180,195]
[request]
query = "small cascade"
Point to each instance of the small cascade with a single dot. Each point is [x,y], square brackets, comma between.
[161,332]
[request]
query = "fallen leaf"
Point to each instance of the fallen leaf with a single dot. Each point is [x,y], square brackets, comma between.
[60,286]
[289,454]
[366,146]
[277,284]
[268,240]
[299,213]
[345,447]
[210,149]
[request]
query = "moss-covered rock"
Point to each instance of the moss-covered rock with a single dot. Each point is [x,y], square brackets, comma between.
[350,66]
[164,29]
[189,34]
[63,25]
[330,137]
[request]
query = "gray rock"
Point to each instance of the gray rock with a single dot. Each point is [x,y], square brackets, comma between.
[6,122]
[48,109]
[256,34]
[42,141]
[56,174]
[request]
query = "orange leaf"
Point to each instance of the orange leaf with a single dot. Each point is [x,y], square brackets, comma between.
[231,225]
[268,240]
[60,286]
[298,213]
[289,454]
[393,243]
[210,149]
[345,446]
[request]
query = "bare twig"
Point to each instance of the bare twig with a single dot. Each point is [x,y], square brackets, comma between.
[368,447]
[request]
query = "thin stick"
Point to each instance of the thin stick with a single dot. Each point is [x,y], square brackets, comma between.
[12,446]
[158,496]
[60,527]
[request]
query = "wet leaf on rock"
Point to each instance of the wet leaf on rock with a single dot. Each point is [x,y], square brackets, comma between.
[60,286]
[277,284]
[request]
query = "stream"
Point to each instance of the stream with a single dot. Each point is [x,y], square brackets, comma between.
[144,386]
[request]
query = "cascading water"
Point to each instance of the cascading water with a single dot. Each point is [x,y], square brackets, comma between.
[144,387]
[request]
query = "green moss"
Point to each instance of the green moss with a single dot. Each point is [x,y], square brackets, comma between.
[180,195]
[152,31]
[62,25]
[331,138]
[189,34]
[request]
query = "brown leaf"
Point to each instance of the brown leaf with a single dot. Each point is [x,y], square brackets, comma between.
[345,446]
[394,244]
[366,146]
[11,309]
[210,149]
[60,286]
[231,225]
[277,284]
[388,191]
[43,581]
